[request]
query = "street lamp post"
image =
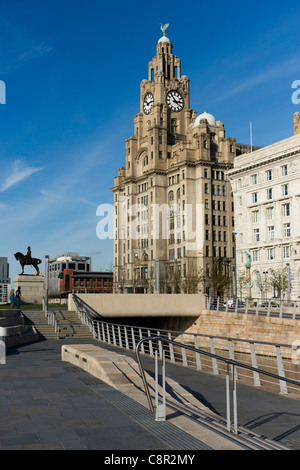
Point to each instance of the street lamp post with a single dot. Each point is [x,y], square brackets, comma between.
[234,266]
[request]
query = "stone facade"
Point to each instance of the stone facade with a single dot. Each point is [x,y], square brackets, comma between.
[32,288]
[265,184]
[173,201]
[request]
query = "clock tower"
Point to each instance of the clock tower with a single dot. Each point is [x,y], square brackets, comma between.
[178,160]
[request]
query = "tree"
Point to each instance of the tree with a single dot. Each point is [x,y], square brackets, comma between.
[279,280]
[219,279]
[241,283]
[193,279]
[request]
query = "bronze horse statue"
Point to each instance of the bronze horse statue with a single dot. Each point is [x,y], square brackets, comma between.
[25,262]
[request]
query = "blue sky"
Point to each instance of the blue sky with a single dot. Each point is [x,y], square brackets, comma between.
[72,71]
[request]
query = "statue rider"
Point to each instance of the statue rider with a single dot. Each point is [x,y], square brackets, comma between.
[28,255]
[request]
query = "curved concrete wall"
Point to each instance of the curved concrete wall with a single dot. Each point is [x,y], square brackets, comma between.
[143,305]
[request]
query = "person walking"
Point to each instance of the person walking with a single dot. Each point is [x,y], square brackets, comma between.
[18,297]
[12,300]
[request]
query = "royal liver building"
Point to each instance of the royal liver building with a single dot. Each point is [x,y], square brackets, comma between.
[174,213]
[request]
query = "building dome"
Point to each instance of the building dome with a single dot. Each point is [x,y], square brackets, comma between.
[164,39]
[211,120]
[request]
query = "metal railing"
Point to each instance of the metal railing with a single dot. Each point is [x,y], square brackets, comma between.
[278,359]
[280,308]
[160,410]
[51,318]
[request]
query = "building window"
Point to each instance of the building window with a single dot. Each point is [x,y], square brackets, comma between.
[269,175]
[284,170]
[256,235]
[254,198]
[271,231]
[287,230]
[206,204]
[286,252]
[269,193]
[206,188]
[256,256]
[271,254]
[285,190]
[270,213]
[254,179]
[205,173]
[286,210]
[255,217]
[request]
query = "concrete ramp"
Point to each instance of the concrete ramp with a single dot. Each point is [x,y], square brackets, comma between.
[183,410]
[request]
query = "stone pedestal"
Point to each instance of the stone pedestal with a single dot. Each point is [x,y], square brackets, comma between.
[248,280]
[32,288]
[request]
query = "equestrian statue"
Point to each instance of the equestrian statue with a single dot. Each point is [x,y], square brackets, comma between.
[27,260]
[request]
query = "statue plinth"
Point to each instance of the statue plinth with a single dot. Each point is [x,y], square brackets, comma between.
[32,287]
[248,280]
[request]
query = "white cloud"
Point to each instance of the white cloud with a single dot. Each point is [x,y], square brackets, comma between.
[268,75]
[18,173]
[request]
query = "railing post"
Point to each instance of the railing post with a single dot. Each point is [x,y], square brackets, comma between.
[231,350]
[269,305]
[257,305]
[113,334]
[282,383]
[120,337]
[214,361]
[198,359]
[234,377]
[133,338]
[254,364]
[183,353]
[281,308]
[108,334]
[228,398]
[150,344]
[126,338]
[171,348]
[141,337]
[218,304]
[159,346]
[160,409]
[246,307]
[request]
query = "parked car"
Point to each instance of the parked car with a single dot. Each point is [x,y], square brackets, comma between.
[231,303]
[266,303]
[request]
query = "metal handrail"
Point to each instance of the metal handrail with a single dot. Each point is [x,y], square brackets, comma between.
[127,336]
[228,361]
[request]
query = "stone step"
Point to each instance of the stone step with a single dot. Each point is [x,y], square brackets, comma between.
[69,324]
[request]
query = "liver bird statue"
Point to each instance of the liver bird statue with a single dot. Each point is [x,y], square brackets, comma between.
[164,27]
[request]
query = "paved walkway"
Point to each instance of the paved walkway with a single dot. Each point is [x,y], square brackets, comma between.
[50,404]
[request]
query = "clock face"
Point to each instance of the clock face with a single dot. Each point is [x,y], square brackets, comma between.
[175,101]
[148,103]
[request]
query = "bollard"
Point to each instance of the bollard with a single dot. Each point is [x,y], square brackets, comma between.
[3,334]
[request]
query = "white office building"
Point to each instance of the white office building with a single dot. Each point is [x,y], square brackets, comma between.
[5,283]
[266,188]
